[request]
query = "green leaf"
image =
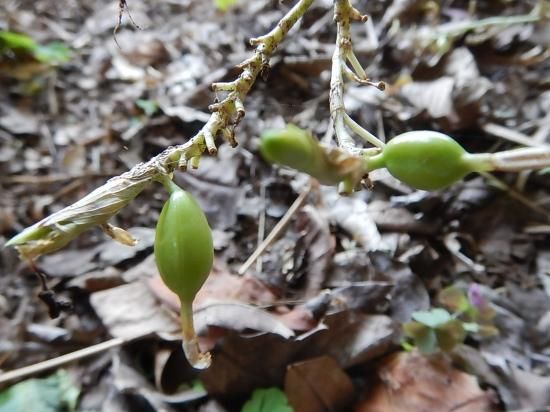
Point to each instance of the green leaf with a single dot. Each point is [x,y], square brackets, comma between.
[423,337]
[53,53]
[432,318]
[450,334]
[426,342]
[487,331]
[471,327]
[486,314]
[52,394]
[149,107]
[16,41]
[267,400]
[224,5]
[454,299]
[197,386]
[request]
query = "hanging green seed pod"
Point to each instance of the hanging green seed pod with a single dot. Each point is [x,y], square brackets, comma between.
[425,160]
[184,255]
[298,149]
[292,147]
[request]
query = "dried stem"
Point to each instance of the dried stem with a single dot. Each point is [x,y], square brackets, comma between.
[344,12]
[58,229]
[516,160]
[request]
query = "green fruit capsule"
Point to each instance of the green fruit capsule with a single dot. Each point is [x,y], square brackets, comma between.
[298,149]
[424,160]
[184,250]
[184,254]
[292,147]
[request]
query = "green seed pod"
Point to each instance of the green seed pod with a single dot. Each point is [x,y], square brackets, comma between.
[184,250]
[292,147]
[298,149]
[424,160]
[184,253]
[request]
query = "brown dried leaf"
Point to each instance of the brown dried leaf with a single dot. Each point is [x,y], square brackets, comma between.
[131,310]
[318,385]
[413,382]
[353,338]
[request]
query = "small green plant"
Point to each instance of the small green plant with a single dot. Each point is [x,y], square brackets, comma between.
[267,400]
[445,328]
[15,45]
[224,5]
[149,107]
[52,394]
[184,254]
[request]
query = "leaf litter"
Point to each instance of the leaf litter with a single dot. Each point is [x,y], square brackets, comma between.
[327,298]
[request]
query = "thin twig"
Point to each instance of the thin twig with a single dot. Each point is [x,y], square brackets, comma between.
[123,5]
[261,227]
[279,227]
[40,367]
[499,184]
[511,135]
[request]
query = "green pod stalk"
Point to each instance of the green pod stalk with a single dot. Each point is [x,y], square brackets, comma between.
[190,344]
[184,254]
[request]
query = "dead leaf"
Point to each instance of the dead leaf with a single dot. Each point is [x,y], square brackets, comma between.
[353,338]
[434,96]
[69,262]
[241,364]
[392,218]
[409,293]
[238,317]
[318,385]
[147,268]
[318,244]
[300,318]
[223,302]
[131,310]
[219,286]
[414,382]
[113,252]
[352,215]
[531,390]
[365,296]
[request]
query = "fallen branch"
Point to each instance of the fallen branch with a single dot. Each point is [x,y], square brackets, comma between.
[95,209]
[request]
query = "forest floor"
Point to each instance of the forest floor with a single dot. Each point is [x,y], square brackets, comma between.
[319,314]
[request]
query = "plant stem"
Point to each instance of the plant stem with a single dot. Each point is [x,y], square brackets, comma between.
[362,132]
[337,108]
[99,206]
[190,345]
[516,160]
[456,29]
[343,13]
